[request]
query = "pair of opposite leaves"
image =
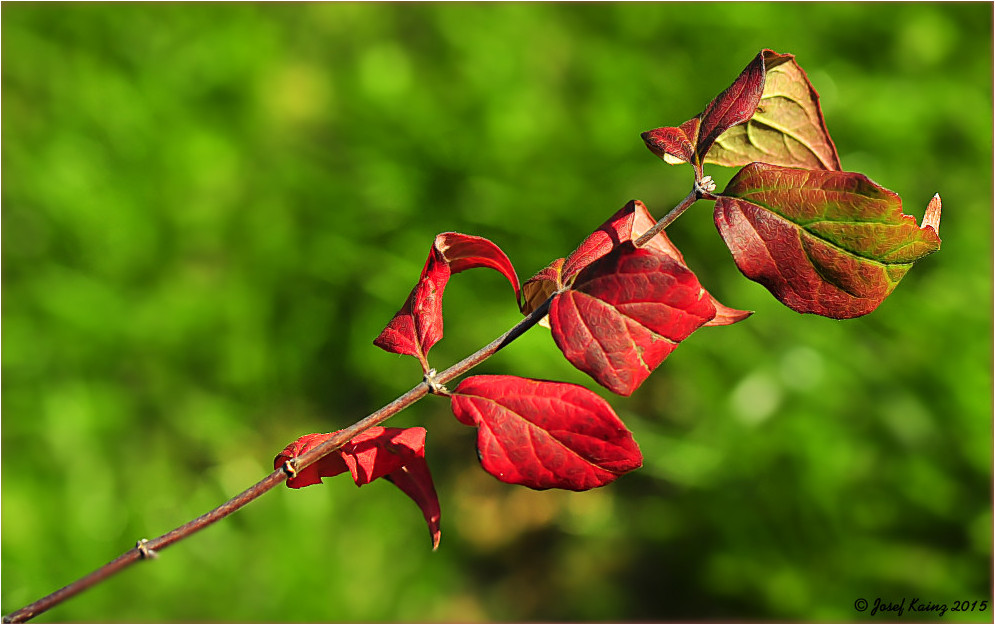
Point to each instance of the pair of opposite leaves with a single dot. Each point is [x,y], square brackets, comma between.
[821,240]
[532,432]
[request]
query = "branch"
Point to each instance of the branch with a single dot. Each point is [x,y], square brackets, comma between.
[149,549]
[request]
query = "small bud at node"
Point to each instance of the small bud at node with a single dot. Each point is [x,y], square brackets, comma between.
[705,185]
[289,469]
[144,551]
[434,387]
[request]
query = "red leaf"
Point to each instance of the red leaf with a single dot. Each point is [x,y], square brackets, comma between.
[692,140]
[560,273]
[825,242]
[616,230]
[625,225]
[417,326]
[625,313]
[545,434]
[397,454]
[609,235]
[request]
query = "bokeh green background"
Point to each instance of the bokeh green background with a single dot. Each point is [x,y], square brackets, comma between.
[209,212]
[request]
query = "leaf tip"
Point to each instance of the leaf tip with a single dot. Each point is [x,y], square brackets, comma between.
[726,316]
[932,217]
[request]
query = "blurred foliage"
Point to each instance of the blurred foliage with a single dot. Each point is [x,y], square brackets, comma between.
[210,210]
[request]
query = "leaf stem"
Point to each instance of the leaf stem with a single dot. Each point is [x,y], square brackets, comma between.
[149,549]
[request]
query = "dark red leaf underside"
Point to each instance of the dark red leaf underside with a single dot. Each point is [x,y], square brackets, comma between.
[831,243]
[417,326]
[625,313]
[397,454]
[545,434]
[733,106]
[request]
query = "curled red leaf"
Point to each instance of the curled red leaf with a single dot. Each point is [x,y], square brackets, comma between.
[539,287]
[417,326]
[826,242]
[465,251]
[545,434]
[732,107]
[397,454]
[560,273]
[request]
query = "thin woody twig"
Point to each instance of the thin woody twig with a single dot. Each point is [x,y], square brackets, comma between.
[668,219]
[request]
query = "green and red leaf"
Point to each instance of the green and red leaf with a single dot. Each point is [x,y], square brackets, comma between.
[417,326]
[770,114]
[826,242]
[545,434]
[397,454]
[787,128]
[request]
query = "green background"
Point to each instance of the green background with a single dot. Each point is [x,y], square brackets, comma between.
[209,212]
